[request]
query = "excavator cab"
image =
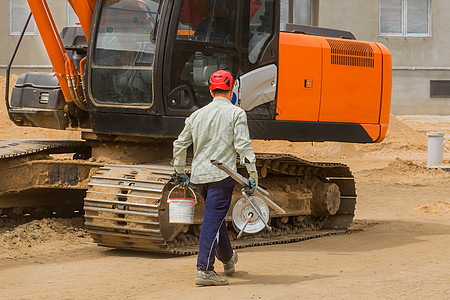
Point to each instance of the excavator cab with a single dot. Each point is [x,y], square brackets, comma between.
[151,58]
[148,63]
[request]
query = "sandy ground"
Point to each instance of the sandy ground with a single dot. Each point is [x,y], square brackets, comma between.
[397,247]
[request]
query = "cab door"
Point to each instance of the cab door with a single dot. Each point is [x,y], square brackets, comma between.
[120,69]
[121,56]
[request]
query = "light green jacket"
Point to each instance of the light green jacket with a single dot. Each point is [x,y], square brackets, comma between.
[217,131]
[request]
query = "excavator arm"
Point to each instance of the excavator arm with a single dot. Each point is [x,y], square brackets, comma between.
[65,70]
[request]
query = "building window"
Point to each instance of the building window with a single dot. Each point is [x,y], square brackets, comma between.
[406,18]
[439,88]
[296,12]
[18,12]
[302,12]
[72,18]
[284,11]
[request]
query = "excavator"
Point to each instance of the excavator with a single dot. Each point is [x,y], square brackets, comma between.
[129,74]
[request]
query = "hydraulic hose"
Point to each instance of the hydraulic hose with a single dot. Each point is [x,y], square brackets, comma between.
[82,76]
[73,82]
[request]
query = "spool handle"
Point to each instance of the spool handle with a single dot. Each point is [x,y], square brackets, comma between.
[250,216]
[258,212]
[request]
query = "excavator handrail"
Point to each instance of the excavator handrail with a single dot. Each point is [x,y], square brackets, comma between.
[11,60]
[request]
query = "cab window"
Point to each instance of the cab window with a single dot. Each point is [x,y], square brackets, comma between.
[210,21]
[261,27]
[124,51]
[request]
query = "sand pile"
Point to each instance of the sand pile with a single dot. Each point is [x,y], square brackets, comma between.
[13,236]
[405,171]
[439,208]
[399,138]
[298,149]
[398,128]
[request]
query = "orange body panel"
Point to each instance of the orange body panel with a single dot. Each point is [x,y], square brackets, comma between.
[387,91]
[299,65]
[334,80]
[372,130]
[351,93]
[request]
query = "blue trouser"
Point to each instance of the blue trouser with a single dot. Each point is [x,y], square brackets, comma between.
[214,240]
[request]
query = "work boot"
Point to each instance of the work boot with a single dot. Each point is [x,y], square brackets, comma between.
[210,278]
[228,266]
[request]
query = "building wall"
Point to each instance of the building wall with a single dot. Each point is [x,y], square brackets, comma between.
[31,55]
[416,61]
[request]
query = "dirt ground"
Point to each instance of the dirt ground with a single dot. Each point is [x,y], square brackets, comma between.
[397,247]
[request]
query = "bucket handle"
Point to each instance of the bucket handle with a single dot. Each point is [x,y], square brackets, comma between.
[192,191]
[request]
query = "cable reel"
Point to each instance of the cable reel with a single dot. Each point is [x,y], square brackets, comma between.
[250,214]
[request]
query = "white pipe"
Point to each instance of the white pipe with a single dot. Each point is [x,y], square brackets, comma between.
[400,68]
[435,155]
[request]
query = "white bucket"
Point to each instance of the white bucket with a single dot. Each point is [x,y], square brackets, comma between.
[181,210]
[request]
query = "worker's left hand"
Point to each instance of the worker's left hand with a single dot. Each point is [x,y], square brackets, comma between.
[183,180]
[253,181]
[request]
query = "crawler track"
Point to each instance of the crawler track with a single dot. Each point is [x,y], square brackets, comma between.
[33,183]
[125,207]
[16,148]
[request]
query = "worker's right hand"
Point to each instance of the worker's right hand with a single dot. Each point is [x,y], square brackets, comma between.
[183,180]
[253,181]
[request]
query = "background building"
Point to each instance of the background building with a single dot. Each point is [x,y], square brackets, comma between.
[31,55]
[416,31]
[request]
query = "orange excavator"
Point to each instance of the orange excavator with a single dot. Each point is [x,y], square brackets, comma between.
[130,73]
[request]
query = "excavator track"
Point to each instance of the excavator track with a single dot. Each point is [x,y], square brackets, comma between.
[15,148]
[126,207]
[33,183]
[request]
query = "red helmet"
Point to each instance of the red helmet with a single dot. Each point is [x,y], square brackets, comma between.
[221,80]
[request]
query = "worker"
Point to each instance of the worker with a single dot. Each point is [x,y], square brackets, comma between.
[216,131]
[194,12]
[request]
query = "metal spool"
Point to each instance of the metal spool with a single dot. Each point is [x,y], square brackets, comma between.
[245,217]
